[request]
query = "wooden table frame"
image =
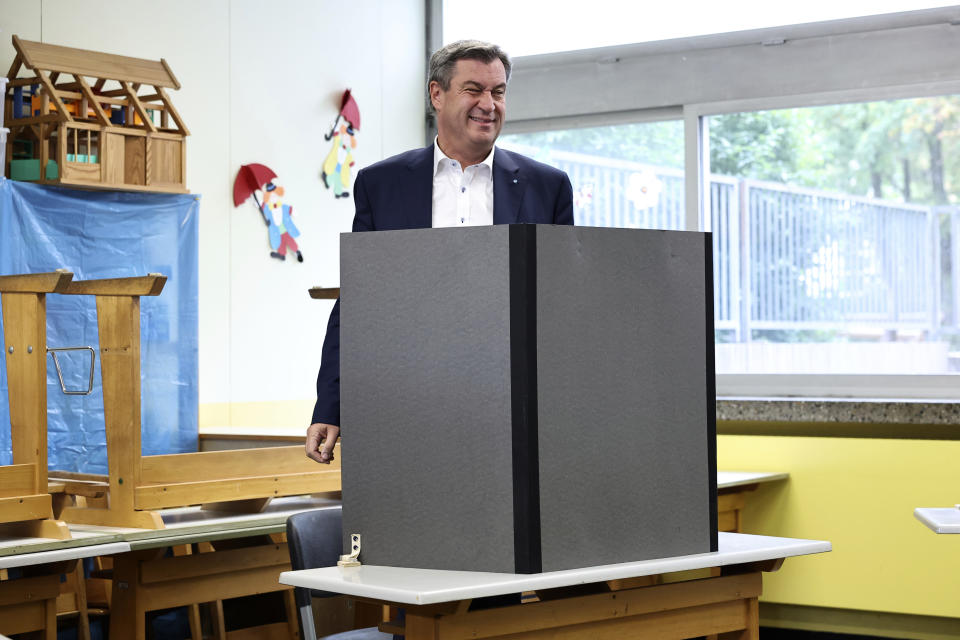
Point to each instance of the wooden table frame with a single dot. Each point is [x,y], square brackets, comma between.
[725,606]
[730,504]
[29,603]
[732,490]
[217,556]
[146,580]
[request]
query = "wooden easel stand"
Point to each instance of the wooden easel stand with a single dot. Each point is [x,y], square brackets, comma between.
[25,505]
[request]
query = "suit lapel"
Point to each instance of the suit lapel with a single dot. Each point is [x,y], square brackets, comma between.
[419,190]
[508,187]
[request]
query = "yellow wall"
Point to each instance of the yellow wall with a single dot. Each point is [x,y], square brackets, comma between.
[859,494]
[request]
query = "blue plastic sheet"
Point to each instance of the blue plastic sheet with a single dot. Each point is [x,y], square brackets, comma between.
[108,235]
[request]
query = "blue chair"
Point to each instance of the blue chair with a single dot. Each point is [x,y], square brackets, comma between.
[314,540]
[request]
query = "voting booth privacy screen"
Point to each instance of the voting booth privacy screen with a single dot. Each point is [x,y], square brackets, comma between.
[107,235]
[527,398]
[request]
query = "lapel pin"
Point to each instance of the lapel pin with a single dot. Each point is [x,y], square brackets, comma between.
[514,181]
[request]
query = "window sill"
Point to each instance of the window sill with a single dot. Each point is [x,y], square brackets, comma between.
[840,417]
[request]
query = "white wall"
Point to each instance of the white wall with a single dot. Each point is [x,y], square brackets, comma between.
[260,83]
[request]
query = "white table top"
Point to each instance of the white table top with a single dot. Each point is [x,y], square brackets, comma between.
[56,555]
[193,524]
[428,586]
[727,479]
[183,525]
[12,545]
[939,519]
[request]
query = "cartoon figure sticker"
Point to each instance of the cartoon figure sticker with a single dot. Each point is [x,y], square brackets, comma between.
[254,179]
[279,219]
[336,166]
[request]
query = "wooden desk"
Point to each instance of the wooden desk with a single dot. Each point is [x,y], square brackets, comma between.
[939,519]
[612,601]
[193,526]
[29,603]
[145,580]
[732,490]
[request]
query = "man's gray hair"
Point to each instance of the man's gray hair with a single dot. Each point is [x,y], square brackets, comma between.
[444,60]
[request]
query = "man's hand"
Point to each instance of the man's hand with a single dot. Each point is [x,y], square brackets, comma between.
[317,432]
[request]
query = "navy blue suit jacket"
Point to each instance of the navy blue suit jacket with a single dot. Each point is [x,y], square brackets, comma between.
[397,193]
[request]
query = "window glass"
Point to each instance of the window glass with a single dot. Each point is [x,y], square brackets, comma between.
[536,26]
[627,175]
[836,238]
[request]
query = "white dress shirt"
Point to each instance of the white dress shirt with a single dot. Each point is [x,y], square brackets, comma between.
[461,198]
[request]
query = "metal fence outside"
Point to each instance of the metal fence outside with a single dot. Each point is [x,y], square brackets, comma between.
[791,258]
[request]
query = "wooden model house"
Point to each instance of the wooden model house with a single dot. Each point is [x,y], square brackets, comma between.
[89,119]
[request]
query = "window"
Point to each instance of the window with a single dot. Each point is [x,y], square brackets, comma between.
[628,175]
[836,228]
[83,145]
[837,235]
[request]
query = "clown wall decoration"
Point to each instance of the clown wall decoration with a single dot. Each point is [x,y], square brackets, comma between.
[339,161]
[279,219]
[260,181]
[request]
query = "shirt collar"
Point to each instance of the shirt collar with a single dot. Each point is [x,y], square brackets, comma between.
[439,156]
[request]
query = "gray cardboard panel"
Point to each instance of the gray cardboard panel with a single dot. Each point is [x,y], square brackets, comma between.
[622,395]
[622,401]
[425,397]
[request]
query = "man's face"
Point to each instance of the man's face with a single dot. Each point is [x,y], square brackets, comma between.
[470,113]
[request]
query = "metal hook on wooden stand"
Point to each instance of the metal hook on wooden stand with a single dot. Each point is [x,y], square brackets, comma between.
[56,362]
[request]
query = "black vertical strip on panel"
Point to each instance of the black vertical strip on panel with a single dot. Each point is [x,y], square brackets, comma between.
[711,386]
[523,386]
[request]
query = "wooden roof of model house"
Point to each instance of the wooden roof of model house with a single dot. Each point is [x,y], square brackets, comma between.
[69,75]
[94,120]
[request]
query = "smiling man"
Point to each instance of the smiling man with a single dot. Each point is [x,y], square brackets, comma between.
[462,179]
[470,108]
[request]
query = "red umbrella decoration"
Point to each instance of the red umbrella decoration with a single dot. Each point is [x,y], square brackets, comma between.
[250,178]
[349,111]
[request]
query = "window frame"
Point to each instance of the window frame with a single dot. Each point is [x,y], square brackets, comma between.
[785,67]
[778,385]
